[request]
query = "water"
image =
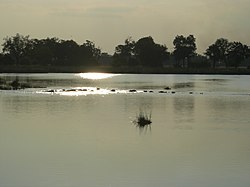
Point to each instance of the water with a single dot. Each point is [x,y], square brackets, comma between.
[199,137]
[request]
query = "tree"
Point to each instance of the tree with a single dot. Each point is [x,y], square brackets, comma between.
[149,53]
[218,51]
[90,53]
[213,53]
[199,61]
[45,51]
[184,49]
[1,58]
[49,51]
[237,52]
[69,52]
[17,47]
[125,54]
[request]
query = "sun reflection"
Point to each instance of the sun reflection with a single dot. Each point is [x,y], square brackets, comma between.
[96,76]
[85,91]
[81,91]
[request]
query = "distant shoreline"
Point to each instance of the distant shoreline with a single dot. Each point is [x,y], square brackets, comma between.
[127,70]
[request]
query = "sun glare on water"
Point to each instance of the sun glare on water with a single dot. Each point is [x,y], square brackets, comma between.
[96,76]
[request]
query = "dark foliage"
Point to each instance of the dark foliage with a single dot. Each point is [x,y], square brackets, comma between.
[184,49]
[21,54]
[229,53]
[143,120]
[144,52]
[125,54]
[149,53]
[50,51]
[217,52]
[237,52]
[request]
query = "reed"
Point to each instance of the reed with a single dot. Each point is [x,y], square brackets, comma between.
[143,119]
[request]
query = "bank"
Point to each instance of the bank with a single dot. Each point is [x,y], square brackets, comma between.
[111,69]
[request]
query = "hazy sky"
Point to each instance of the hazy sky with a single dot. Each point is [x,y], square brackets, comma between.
[109,22]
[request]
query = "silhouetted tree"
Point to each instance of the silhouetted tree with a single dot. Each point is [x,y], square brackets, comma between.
[69,52]
[213,53]
[184,49]
[199,61]
[237,52]
[218,51]
[46,51]
[149,53]
[21,49]
[17,47]
[1,58]
[49,51]
[90,53]
[125,54]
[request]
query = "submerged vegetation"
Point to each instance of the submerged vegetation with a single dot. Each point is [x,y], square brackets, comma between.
[15,85]
[23,54]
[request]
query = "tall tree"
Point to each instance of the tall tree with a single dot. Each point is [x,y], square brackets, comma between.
[46,51]
[17,47]
[218,51]
[213,53]
[90,53]
[149,53]
[69,52]
[184,49]
[125,54]
[237,52]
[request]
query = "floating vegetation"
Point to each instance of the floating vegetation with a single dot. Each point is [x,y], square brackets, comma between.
[167,88]
[71,90]
[132,91]
[163,92]
[13,85]
[143,120]
[51,91]
[78,91]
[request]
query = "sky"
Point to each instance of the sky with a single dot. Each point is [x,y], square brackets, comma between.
[109,22]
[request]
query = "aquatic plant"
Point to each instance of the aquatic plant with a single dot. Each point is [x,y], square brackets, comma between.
[13,85]
[142,120]
[167,88]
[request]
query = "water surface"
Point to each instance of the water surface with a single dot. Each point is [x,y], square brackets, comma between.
[199,136]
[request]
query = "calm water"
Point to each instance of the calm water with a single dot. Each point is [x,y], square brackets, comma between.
[200,135]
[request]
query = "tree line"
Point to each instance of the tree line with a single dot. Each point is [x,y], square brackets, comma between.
[21,50]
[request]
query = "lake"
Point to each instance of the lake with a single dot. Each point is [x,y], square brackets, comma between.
[78,130]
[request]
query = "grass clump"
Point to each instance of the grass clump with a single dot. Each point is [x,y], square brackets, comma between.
[143,120]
